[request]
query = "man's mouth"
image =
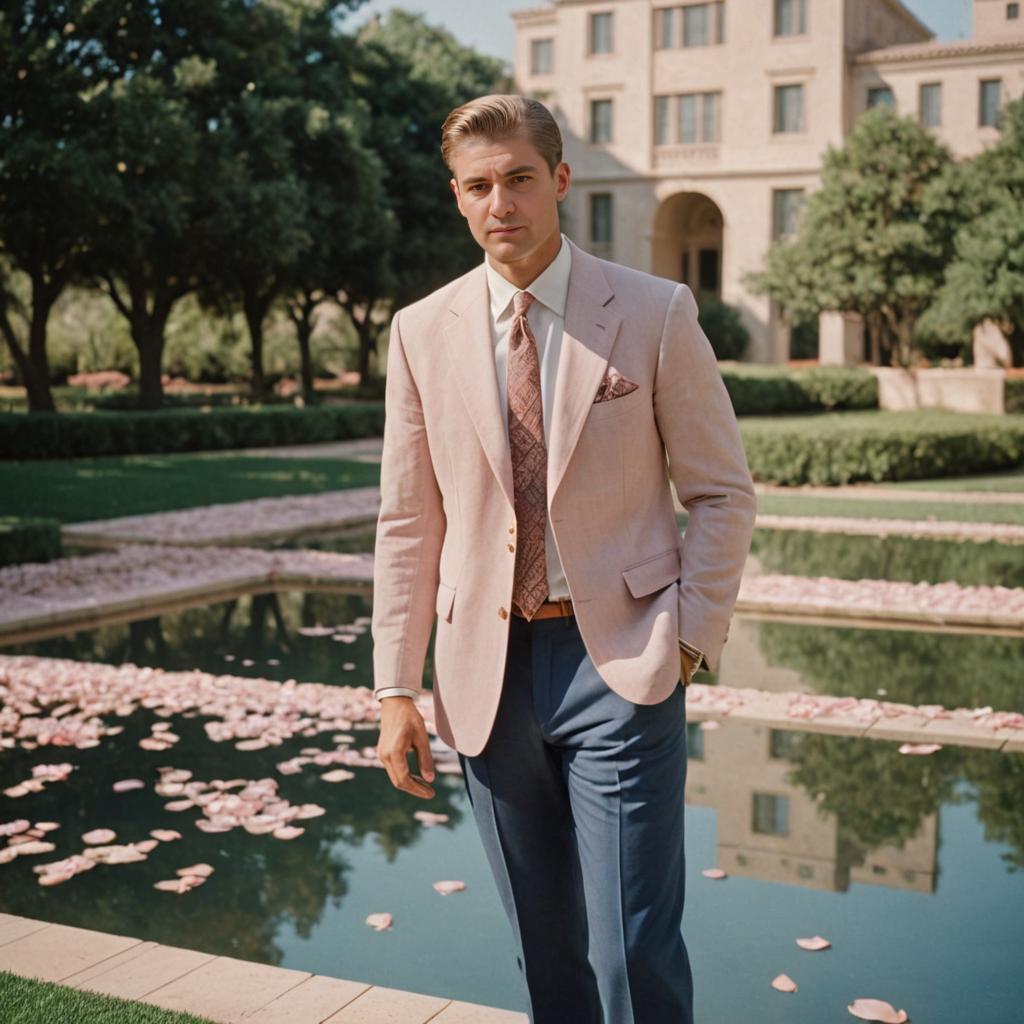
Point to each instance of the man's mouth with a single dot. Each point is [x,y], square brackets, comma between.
[504,231]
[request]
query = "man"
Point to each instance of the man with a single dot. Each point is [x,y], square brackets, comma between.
[525,506]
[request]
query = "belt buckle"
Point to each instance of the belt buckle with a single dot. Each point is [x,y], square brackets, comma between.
[564,606]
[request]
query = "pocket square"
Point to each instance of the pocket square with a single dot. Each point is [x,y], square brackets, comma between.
[614,385]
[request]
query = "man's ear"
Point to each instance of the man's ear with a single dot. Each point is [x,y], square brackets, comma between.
[453,184]
[562,177]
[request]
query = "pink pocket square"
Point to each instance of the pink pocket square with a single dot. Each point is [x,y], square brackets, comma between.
[614,385]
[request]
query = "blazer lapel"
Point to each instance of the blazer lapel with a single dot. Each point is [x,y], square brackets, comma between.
[590,332]
[468,340]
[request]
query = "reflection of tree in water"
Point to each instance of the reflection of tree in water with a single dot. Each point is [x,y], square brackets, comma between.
[953,669]
[880,797]
[852,557]
[260,883]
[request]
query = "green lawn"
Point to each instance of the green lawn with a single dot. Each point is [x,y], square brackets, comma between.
[863,508]
[1010,482]
[23,1001]
[74,490]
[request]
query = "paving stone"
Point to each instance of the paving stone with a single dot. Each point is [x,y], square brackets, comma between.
[226,989]
[13,928]
[139,971]
[311,1002]
[474,1013]
[380,1005]
[57,951]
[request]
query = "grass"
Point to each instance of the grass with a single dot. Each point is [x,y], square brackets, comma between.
[76,490]
[863,508]
[1010,482]
[26,1001]
[885,421]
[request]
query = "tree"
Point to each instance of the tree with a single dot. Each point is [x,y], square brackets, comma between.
[867,242]
[410,78]
[47,175]
[985,277]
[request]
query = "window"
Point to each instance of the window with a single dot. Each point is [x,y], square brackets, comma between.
[1012,12]
[782,743]
[666,32]
[879,95]
[989,99]
[601,218]
[662,125]
[790,17]
[771,814]
[694,741]
[930,104]
[542,56]
[786,206]
[698,118]
[601,32]
[703,24]
[789,108]
[600,120]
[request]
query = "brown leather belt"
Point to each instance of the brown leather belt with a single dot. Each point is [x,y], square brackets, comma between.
[549,609]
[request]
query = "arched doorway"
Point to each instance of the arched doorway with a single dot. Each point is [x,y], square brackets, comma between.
[688,242]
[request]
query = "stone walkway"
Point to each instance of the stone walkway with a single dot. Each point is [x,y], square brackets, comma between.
[218,987]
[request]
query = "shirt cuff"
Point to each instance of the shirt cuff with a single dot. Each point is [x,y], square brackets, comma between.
[696,656]
[395,691]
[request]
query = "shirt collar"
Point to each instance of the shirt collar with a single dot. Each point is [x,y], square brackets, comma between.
[550,287]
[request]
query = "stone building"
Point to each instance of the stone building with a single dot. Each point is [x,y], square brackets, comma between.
[695,130]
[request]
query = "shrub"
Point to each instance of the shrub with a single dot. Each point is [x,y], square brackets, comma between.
[760,390]
[70,435]
[723,326]
[839,448]
[28,540]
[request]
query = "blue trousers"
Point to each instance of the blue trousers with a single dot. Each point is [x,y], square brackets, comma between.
[578,799]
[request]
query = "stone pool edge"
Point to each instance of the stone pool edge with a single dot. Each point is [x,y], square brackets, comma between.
[221,988]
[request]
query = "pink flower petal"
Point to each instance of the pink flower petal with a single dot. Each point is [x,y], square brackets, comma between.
[179,805]
[814,944]
[714,873]
[198,870]
[877,1010]
[919,748]
[338,775]
[99,835]
[180,885]
[430,818]
[47,826]
[288,832]
[126,785]
[381,922]
[447,888]
[165,835]
[784,983]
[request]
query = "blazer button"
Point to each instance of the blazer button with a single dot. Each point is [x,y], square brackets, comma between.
[511,547]
[511,529]
[503,613]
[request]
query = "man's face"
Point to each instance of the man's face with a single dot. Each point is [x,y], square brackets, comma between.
[509,197]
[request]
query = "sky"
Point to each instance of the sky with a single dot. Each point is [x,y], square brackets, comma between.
[486,26]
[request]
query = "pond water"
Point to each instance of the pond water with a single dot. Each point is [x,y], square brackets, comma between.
[910,866]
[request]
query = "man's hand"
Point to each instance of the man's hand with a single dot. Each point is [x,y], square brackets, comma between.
[401,730]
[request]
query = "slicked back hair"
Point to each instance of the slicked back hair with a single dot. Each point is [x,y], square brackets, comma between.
[500,116]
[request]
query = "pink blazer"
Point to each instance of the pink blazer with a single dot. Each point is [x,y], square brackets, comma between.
[445,547]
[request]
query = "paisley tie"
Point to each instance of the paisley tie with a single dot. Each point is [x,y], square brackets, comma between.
[529,461]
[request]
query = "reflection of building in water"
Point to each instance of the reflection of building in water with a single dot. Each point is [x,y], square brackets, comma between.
[771,829]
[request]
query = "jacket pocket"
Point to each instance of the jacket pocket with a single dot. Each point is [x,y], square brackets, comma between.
[653,573]
[445,601]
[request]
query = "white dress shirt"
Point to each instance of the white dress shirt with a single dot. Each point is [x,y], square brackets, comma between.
[546,317]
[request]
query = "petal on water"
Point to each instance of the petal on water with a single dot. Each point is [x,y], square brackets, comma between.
[288,832]
[919,749]
[198,870]
[165,835]
[877,1010]
[99,836]
[127,785]
[338,775]
[714,873]
[381,922]
[815,943]
[430,818]
[447,888]
[784,983]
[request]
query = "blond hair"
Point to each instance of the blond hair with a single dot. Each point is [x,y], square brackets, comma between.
[497,117]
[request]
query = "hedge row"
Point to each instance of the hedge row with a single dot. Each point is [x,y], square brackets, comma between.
[762,390]
[69,435]
[828,449]
[1013,394]
[28,540]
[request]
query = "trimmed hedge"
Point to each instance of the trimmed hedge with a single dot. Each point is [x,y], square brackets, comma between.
[28,540]
[761,390]
[839,448]
[69,435]
[1013,394]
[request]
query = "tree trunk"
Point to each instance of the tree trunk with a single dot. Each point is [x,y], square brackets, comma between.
[34,364]
[255,305]
[148,336]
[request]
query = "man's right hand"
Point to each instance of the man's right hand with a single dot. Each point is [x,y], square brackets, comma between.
[402,729]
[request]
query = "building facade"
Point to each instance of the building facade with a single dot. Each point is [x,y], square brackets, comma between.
[696,130]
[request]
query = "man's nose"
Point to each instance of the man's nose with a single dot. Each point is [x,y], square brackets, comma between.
[501,201]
